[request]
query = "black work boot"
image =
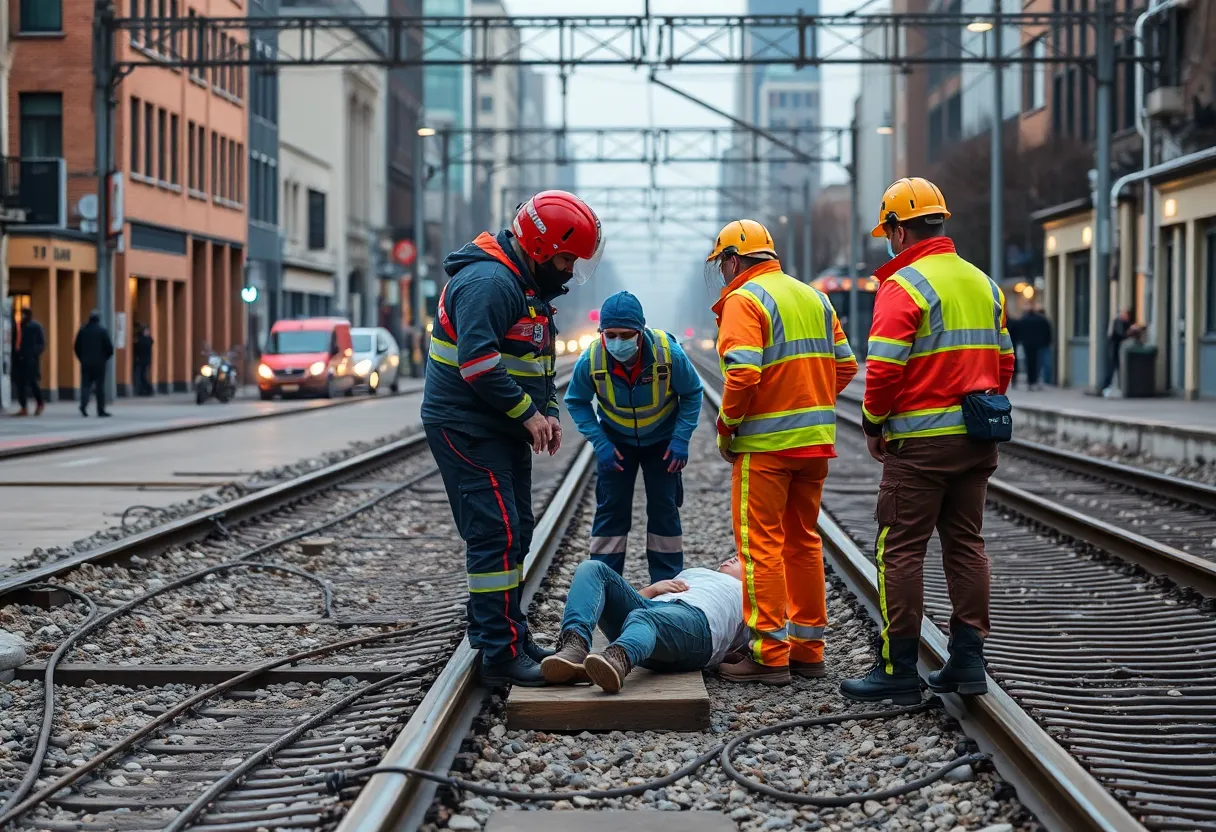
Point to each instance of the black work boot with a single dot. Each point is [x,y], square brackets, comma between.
[565,667]
[901,686]
[521,670]
[608,669]
[538,653]
[963,672]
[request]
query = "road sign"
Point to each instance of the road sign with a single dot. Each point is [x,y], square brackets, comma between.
[405,252]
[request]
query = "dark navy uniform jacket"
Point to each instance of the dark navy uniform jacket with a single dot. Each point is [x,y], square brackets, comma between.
[491,360]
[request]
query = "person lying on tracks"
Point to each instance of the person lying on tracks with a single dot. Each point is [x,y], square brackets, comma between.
[686,623]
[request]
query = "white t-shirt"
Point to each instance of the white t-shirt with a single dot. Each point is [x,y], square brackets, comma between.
[720,597]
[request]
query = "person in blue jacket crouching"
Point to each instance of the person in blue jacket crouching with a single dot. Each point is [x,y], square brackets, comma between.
[648,399]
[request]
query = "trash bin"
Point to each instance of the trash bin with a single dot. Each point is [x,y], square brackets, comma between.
[1138,371]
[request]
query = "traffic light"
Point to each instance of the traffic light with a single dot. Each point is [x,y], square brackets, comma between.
[249,294]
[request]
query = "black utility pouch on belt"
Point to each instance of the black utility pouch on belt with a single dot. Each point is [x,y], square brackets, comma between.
[988,417]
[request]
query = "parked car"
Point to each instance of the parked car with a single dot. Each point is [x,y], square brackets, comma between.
[377,359]
[307,356]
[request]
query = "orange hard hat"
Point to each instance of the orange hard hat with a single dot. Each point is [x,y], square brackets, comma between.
[745,237]
[907,199]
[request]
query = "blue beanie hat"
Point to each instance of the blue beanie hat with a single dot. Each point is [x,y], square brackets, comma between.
[624,311]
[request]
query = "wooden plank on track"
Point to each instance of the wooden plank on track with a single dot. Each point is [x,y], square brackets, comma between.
[592,821]
[648,702]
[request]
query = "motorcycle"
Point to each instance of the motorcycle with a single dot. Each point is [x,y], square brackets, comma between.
[217,377]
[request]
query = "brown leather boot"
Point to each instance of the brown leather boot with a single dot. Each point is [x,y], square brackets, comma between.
[808,670]
[566,666]
[748,670]
[22,412]
[38,410]
[608,669]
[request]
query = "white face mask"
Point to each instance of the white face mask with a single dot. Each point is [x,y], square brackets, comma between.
[622,349]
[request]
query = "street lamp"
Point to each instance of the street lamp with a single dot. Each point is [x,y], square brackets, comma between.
[424,132]
[979,26]
[884,130]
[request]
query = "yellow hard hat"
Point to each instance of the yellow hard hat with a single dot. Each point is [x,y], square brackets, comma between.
[907,199]
[745,237]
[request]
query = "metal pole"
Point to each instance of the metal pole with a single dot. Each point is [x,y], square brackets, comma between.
[1102,205]
[418,299]
[808,231]
[445,172]
[997,239]
[854,295]
[103,125]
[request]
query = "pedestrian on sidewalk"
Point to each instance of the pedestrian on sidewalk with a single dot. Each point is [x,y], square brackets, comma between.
[29,341]
[143,360]
[636,397]
[93,349]
[1035,332]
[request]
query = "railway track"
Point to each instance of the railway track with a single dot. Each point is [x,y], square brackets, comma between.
[233,658]
[1096,644]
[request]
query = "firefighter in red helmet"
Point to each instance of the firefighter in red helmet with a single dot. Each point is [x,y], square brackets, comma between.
[490,402]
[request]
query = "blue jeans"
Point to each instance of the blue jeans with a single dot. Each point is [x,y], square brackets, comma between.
[614,511]
[669,636]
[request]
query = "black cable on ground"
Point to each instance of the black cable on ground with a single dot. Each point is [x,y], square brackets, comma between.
[336,781]
[140,508]
[48,700]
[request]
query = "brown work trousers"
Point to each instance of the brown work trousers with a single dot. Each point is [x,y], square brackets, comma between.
[938,482]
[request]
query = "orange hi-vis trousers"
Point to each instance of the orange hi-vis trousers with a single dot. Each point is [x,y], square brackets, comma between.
[775,503]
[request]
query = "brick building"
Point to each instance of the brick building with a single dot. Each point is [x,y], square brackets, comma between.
[180,144]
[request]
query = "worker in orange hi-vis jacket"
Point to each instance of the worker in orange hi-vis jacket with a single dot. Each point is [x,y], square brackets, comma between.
[938,363]
[784,359]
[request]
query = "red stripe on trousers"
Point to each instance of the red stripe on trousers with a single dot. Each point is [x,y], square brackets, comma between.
[506,522]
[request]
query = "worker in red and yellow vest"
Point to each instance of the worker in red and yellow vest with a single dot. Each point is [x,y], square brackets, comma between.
[784,360]
[939,345]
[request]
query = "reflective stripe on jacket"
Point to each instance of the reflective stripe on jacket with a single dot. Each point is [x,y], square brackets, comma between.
[784,357]
[939,333]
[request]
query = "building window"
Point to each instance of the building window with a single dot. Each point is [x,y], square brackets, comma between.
[191,181]
[222,191]
[149,145]
[316,220]
[162,167]
[256,211]
[175,39]
[272,192]
[41,16]
[175,151]
[202,158]
[41,124]
[1036,76]
[239,188]
[487,103]
[1080,296]
[1210,281]
[215,163]
[137,36]
[133,136]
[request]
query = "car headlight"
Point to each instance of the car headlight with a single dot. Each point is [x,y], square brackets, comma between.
[363,366]
[394,359]
[317,368]
[265,372]
[205,370]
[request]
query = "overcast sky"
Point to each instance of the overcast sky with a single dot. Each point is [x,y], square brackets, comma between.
[622,97]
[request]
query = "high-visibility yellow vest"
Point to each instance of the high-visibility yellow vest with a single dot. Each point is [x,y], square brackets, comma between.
[794,404]
[635,417]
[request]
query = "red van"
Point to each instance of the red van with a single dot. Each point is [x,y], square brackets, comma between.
[309,356]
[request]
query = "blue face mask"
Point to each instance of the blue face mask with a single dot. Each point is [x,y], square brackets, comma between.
[622,349]
[890,249]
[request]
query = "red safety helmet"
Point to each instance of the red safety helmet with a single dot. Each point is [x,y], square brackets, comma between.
[557,222]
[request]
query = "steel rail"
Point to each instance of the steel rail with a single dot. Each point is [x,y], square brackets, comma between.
[202,523]
[1048,780]
[388,801]
[1162,485]
[1183,568]
[70,443]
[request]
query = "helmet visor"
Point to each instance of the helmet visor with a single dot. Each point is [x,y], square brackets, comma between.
[585,267]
